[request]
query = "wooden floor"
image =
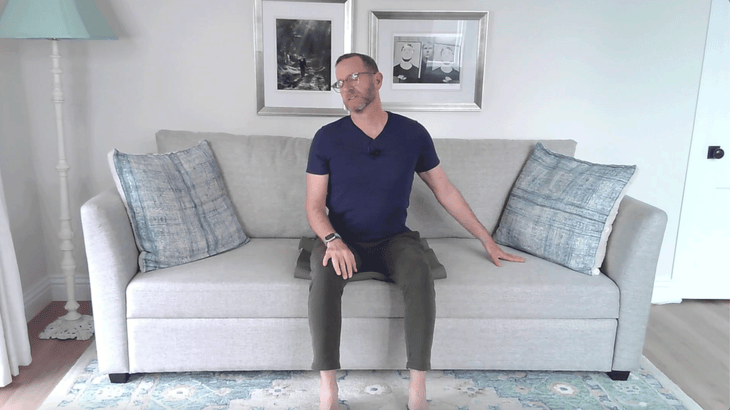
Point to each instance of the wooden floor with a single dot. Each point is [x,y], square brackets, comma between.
[689,342]
[51,361]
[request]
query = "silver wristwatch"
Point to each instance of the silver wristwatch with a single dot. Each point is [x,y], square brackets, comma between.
[331,237]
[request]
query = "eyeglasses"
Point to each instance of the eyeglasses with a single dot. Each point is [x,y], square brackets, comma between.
[350,78]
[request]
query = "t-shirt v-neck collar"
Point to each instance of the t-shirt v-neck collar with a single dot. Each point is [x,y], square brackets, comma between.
[387,121]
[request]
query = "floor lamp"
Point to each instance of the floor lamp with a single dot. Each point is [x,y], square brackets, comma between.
[56,20]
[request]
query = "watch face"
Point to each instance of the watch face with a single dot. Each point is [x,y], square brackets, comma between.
[329,237]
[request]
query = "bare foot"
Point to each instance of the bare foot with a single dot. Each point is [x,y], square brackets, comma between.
[328,399]
[417,391]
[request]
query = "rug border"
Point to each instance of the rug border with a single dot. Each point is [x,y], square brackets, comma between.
[56,395]
[687,401]
[63,386]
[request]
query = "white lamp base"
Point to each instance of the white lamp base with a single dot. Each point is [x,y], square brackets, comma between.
[80,329]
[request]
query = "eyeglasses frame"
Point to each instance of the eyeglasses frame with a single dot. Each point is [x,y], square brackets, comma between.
[350,78]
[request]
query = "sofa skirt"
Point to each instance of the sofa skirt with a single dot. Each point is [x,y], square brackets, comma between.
[176,345]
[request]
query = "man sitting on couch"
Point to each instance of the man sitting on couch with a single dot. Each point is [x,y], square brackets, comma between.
[361,168]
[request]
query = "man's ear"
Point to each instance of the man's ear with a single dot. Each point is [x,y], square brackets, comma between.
[379,79]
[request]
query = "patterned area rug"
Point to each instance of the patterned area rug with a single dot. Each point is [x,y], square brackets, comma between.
[84,388]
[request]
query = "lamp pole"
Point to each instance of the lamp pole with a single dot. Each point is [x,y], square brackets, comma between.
[72,325]
[66,233]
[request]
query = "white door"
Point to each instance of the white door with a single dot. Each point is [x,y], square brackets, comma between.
[702,258]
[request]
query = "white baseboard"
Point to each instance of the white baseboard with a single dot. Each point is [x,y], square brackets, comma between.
[37,298]
[665,291]
[52,289]
[82,289]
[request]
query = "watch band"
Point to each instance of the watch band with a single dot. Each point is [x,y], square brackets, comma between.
[331,237]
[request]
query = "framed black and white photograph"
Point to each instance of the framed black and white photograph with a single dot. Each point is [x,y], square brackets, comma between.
[303,54]
[427,59]
[436,59]
[296,45]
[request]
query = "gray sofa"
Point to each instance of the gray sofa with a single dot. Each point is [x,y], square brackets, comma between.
[244,310]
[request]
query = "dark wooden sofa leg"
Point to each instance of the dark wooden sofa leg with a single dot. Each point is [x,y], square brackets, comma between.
[118,377]
[619,376]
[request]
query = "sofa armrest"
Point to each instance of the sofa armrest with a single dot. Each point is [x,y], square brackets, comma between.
[631,261]
[112,257]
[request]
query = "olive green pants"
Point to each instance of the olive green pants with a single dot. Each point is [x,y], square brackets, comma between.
[403,261]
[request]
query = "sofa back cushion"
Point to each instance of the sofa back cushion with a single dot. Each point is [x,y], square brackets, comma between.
[484,171]
[266,179]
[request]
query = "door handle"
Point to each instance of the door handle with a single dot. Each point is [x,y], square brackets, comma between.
[715,152]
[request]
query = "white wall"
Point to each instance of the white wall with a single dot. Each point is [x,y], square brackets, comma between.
[620,77]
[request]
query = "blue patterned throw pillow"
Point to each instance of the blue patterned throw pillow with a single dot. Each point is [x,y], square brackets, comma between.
[177,204]
[562,209]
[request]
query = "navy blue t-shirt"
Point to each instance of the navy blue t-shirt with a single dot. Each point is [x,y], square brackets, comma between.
[370,180]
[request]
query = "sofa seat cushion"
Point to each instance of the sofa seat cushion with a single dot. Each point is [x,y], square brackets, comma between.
[535,289]
[255,281]
[251,281]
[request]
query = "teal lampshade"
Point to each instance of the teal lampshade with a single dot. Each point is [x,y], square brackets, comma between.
[59,19]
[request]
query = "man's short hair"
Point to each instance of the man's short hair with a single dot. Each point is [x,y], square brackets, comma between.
[367,60]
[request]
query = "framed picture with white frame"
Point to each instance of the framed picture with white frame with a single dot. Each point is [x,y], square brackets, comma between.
[431,60]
